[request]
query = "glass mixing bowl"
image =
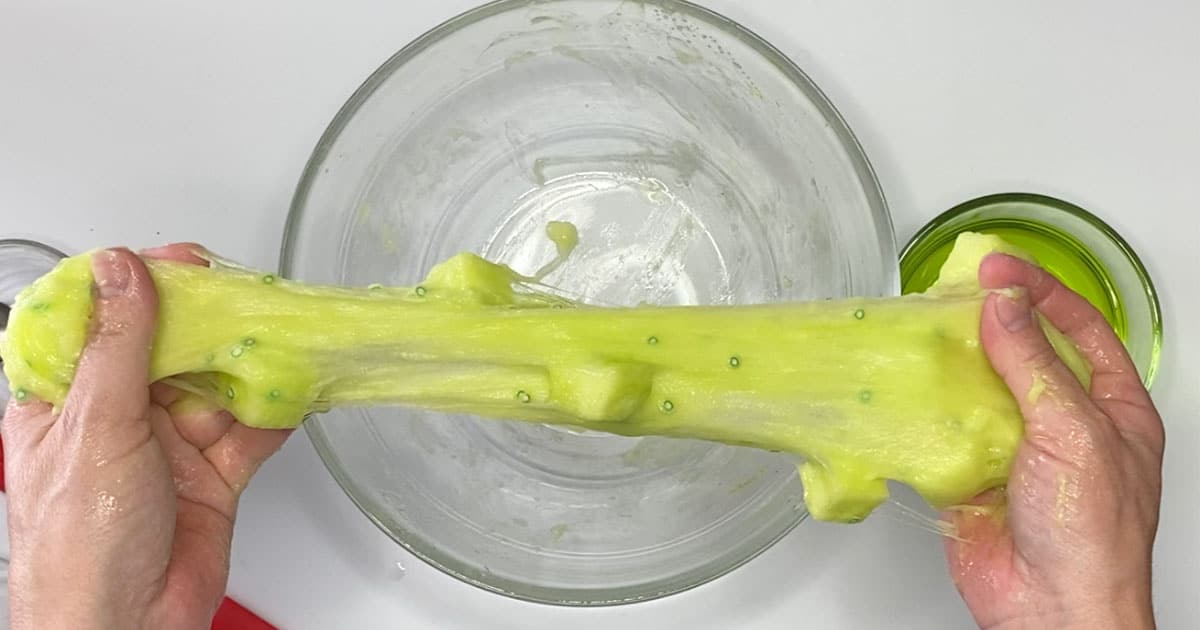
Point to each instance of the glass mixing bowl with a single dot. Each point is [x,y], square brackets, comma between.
[700,167]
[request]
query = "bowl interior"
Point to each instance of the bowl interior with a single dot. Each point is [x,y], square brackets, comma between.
[699,166]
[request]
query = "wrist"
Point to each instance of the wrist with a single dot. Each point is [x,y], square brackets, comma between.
[74,605]
[1126,613]
[1123,612]
[33,615]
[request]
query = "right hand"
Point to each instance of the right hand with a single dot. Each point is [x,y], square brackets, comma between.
[1072,547]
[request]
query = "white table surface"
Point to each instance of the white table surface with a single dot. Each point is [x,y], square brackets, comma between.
[145,121]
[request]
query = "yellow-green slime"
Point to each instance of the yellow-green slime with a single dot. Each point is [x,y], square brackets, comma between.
[866,390]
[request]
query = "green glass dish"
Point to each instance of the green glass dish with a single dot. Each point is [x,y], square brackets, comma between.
[1080,249]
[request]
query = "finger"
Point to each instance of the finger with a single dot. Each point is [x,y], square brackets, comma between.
[200,425]
[967,519]
[981,541]
[1116,384]
[112,380]
[178,252]
[164,395]
[240,452]
[1056,409]
[198,573]
[197,420]
[197,576]
[203,525]
[195,480]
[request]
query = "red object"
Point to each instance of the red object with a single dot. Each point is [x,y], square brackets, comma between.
[230,616]
[233,616]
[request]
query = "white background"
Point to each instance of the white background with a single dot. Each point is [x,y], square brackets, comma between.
[145,121]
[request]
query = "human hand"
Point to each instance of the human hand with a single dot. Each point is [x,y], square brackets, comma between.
[1072,549]
[121,507]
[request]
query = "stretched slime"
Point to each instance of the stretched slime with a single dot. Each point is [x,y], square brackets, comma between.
[865,390]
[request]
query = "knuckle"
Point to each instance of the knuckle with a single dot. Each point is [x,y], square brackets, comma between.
[23,422]
[1040,356]
[1055,448]
[1156,440]
[108,330]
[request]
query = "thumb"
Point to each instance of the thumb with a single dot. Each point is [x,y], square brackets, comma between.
[1043,386]
[112,380]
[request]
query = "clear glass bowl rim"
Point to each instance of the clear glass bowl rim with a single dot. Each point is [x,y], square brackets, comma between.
[287,259]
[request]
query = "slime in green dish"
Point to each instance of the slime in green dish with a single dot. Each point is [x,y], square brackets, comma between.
[866,390]
[1055,250]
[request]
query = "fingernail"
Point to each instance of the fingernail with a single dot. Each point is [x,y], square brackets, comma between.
[111,274]
[1014,312]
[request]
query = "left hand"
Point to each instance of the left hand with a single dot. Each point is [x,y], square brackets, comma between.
[121,506]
